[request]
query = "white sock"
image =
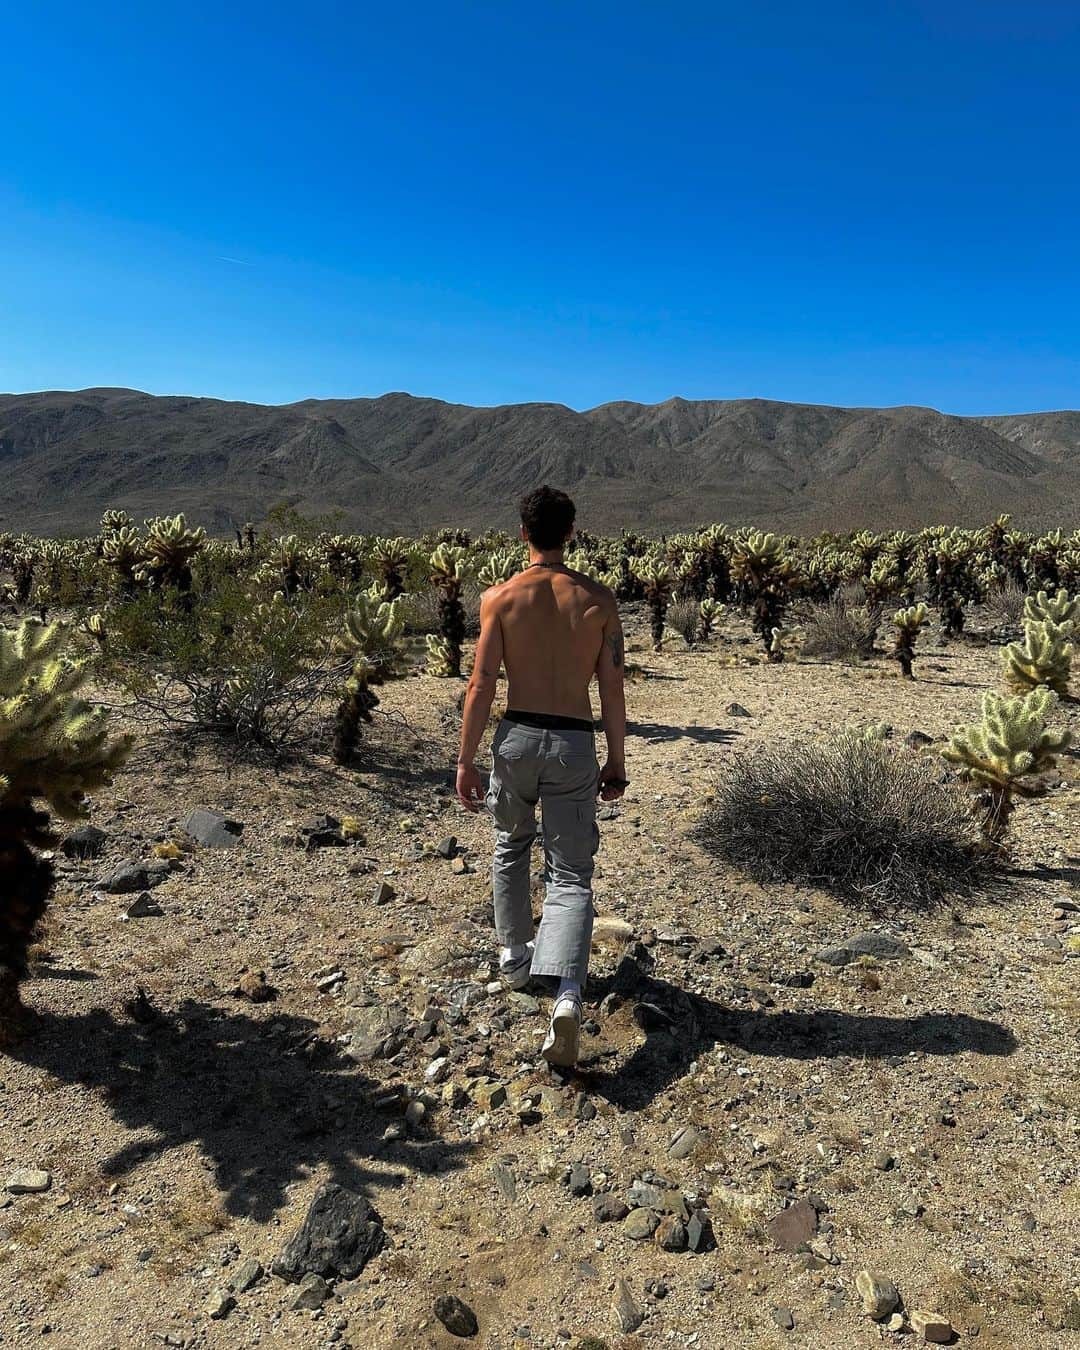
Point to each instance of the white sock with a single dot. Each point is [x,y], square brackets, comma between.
[514,953]
[569,989]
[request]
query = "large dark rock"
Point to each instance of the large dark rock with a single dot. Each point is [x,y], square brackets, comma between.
[321,831]
[86,841]
[211,829]
[339,1236]
[130,877]
[456,1316]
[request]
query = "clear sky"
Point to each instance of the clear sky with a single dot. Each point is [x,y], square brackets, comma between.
[869,202]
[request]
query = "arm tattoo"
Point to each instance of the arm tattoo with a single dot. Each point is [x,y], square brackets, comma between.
[615,642]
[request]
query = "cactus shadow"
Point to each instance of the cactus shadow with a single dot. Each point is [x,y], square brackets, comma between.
[681,1026]
[660,731]
[264,1098]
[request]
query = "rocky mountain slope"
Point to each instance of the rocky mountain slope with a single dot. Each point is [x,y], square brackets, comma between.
[399,463]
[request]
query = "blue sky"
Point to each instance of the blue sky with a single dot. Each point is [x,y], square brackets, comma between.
[874,202]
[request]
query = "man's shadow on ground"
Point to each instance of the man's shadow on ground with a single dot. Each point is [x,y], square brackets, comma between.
[266,1099]
[681,1025]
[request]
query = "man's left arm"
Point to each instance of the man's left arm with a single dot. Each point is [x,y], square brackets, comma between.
[479,697]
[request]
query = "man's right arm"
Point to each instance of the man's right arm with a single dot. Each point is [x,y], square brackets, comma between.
[609,678]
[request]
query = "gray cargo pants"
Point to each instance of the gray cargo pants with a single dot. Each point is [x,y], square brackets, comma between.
[559,770]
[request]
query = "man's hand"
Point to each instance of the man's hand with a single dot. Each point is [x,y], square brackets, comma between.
[470,789]
[612,783]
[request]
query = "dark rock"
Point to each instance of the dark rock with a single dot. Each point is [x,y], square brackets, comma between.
[447,848]
[916,740]
[684,1142]
[737,710]
[384,893]
[651,1017]
[579,1182]
[340,1234]
[130,877]
[793,1227]
[248,1274]
[211,829]
[321,831]
[699,1234]
[628,1316]
[312,1294]
[880,945]
[144,906]
[608,1208]
[670,1234]
[86,841]
[457,1317]
[505,1180]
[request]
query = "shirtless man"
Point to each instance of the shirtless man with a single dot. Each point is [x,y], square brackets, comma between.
[553,629]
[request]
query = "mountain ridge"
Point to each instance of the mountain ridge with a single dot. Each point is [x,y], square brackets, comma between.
[402,463]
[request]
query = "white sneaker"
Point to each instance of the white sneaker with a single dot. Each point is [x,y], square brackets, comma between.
[561,1043]
[515,974]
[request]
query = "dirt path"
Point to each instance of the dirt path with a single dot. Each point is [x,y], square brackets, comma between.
[923,1111]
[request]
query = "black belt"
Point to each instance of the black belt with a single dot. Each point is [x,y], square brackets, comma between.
[548,721]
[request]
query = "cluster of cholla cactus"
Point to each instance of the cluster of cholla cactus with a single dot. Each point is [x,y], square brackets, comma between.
[449,571]
[657,582]
[908,623]
[54,749]
[709,611]
[1003,755]
[499,567]
[372,642]
[952,576]
[167,553]
[1045,655]
[391,559]
[766,579]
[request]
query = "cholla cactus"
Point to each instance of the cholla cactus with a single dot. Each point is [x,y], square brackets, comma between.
[289,559]
[908,623]
[95,626]
[656,578]
[372,638]
[391,559]
[1043,658]
[1004,753]
[168,551]
[122,550]
[111,521]
[449,569]
[765,577]
[499,567]
[710,613]
[54,748]
[1061,609]
[883,580]
[440,657]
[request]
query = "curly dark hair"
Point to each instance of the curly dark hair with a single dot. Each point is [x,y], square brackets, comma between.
[548,517]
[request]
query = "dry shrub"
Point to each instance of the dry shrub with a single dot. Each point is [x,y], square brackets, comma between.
[684,617]
[840,631]
[849,815]
[1004,609]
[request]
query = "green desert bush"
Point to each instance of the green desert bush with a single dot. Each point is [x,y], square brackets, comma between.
[849,814]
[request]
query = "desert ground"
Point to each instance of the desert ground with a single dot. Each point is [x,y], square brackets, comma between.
[914,1116]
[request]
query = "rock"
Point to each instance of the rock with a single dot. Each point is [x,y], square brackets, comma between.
[628,1316]
[878,1293]
[448,847]
[144,906]
[579,1182]
[611,932]
[456,1316]
[608,1208]
[489,1094]
[896,1322]
[312,1294]
[640,1224]
[339,1236]
[220,1305]
[505,1180]
[879,945]
[793,1227]
[460,867]
[737,710]
[371,1029]
[321,831]
[699,1234]
[28,1181]
[784,1319]
[383,893]
[86,841]
[684,1142]
[916,740]
[931,1326]
[670,1234]
[211,829]
[438,1070]
[129,877]
[247,1276]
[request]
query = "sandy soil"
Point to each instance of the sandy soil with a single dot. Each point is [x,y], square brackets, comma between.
[928,1106]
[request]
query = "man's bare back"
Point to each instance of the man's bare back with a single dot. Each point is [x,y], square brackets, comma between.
[552,621]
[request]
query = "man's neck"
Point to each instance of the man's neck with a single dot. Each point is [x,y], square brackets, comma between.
[546,557]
